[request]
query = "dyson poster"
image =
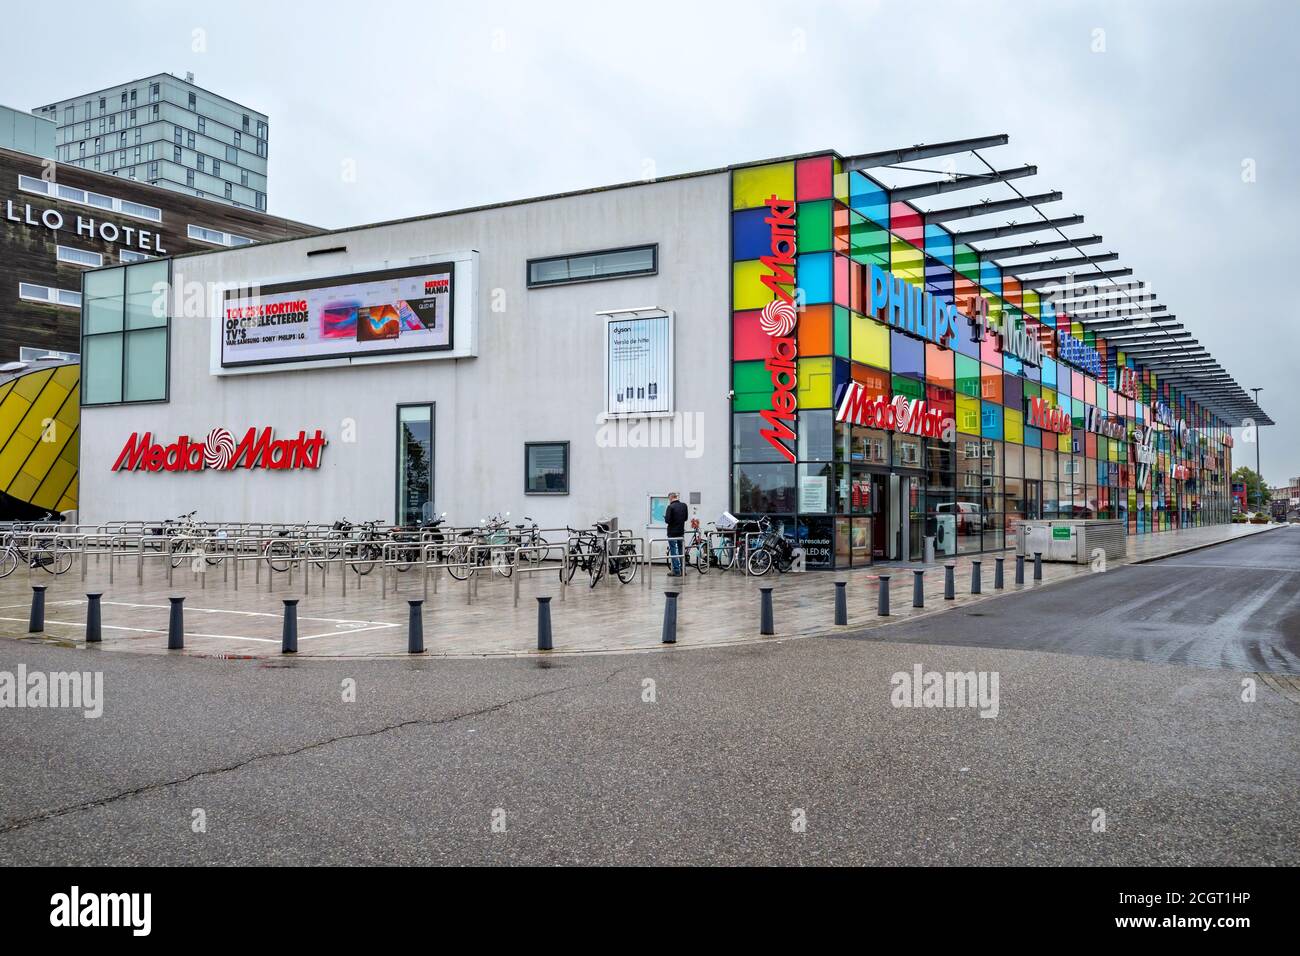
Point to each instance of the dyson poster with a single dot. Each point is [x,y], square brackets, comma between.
[639,365]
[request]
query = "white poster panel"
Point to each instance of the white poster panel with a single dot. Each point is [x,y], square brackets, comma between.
[404,310]
[638,362]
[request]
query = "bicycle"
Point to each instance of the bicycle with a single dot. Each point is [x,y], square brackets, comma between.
[695,550]
[181,532]
[481,547]
[620,559]
[772,550]
[584,552]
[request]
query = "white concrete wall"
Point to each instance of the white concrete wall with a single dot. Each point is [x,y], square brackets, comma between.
[538,374]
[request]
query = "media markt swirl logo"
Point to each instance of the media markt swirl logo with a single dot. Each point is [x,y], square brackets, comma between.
[219,448]
[778,317]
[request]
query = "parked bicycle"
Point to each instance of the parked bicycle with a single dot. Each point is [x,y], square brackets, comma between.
[484,546]
[770,549]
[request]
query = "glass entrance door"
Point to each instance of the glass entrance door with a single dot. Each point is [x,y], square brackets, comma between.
[1033,500]
[414,464]
[906,532]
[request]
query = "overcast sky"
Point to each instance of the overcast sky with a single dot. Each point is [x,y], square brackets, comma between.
[1142,113]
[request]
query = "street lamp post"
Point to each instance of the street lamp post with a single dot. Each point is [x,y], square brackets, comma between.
[1259,477]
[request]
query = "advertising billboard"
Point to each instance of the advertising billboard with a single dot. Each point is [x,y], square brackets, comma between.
[638,364]
[371,313]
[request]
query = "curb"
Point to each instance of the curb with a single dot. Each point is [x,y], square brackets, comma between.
[1202,547]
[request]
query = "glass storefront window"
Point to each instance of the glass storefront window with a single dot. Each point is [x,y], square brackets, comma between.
[869,446]
[816,435]
[765,488]
[907,451]
[815,491]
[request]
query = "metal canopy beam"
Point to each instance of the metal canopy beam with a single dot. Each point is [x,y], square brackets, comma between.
[989,208]
[1069,278]
[1033,248]
[1100,325]
[1139,334]
[1120,294]
[1101,311]
[962,181]
[1015,229]
[906,154]
[1047,265]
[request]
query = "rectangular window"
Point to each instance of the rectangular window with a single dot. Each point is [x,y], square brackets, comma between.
[189,138]
[238,136]
[80,257]
[129,255]
[49,296]
[414,464]
[176,135]
[593,266]
[216,237]
[203,125]
[230,191]
[546,468]
[125,327]
[189,177]
[176,154]
[193,101]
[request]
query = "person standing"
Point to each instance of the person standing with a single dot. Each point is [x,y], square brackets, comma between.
[675,518]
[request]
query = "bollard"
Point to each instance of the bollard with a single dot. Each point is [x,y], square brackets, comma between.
[670,617]
[36,623]
[765,625]
[841,602]
[176,624]
[289,636]
[544,624]
[92,618]
[949,582]
[1038,565]
[998,583]
[882,600]
[975,576]
[918,587]
[415,630]
[1020,569]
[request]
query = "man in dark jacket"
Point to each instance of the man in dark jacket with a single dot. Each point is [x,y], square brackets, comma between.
[675,518]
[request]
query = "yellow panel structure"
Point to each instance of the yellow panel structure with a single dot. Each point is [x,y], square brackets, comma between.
[752,185]
[40,415]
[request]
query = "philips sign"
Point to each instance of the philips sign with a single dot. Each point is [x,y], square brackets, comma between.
[1079,354]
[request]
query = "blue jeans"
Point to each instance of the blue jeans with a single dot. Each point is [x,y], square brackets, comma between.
[675,554]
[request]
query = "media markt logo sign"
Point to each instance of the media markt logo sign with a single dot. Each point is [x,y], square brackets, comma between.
[220,452]
[778,320]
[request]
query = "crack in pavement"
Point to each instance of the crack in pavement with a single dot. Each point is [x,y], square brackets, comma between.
[24,822]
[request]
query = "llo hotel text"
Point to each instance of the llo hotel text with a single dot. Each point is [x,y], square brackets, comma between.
[832,341]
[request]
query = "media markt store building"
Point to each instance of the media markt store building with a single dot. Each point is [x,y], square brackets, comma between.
[894,379]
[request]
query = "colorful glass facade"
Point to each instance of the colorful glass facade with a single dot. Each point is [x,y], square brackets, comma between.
[853,494]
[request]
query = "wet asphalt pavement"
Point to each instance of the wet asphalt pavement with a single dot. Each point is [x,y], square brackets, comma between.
[1136,712]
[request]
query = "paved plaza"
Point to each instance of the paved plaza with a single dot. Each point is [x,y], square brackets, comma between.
[341,614]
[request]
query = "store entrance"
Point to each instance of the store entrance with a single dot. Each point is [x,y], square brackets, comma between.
[1033,500]
[905,534]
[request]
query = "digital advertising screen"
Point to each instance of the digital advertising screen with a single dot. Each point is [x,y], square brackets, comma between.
[373,313]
